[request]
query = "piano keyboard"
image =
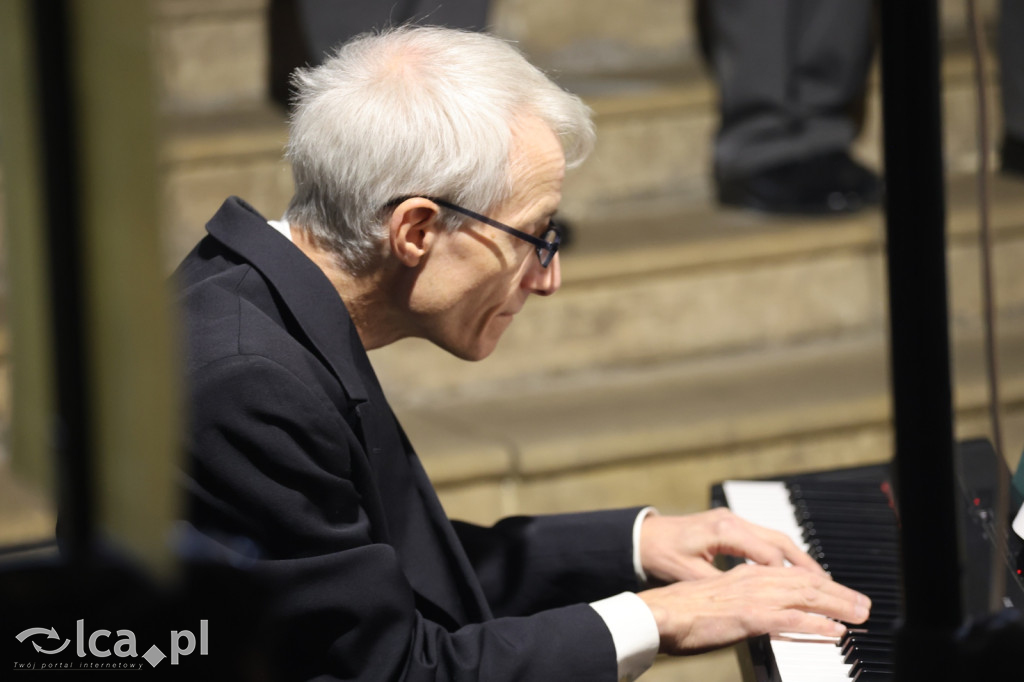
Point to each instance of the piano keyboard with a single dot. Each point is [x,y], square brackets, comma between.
[850,528]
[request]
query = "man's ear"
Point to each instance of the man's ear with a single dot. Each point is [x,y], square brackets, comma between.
[413,230]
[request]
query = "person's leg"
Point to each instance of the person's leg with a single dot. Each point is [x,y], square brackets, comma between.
[304,32]
[790,76]
[834,53]
[329,22]
[1011,81]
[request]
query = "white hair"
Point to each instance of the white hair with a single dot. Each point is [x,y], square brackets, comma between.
[414,111]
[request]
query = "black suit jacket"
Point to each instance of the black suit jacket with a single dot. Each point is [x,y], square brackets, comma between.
[300,472]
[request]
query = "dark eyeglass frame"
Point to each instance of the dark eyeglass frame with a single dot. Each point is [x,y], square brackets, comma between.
[545,248]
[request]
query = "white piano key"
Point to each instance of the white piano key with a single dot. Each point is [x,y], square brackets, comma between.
[799,658]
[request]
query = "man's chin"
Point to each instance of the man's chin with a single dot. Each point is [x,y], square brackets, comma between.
[475,353]
[477,349]
[478,346]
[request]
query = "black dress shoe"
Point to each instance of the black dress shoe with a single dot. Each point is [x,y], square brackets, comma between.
[1013,155]
[832,183]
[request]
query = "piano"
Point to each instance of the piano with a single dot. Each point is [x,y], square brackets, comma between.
[847,520]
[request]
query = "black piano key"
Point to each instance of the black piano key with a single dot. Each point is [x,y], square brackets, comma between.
[869,653]
[825,492]
[882,598]
[874,563]
[879,587]
[846,643]
[867,563]
[824,550]
[889,572]
[837,530]
[874,676]
[866,516]
[853,499]
[885,627]
[861,550]
[838,553]
[884,574]
[884,609]
[879,639]
[860,667]
[855,632]
[797,492]
[845,511]
[884,543]
[852,506]
[881,614]
[840,531]
[883,584]
[825,489]
[844,558]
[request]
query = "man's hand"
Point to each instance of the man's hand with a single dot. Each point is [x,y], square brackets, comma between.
[708,613]
[674,548]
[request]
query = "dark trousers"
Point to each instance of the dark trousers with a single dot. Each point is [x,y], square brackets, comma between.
[1011,66]
[791,75]
[303,32]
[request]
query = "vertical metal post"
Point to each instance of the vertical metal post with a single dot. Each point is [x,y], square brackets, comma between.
[25,254]
[920,361]
[134,358]
[59,153]
[94,333]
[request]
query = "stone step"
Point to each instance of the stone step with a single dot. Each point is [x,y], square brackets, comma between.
[655,131]
[644,287]
[210,56]
[204,158]
[663,434]
[610,36]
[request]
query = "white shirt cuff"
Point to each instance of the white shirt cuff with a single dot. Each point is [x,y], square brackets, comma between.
[638,567]
[634,633]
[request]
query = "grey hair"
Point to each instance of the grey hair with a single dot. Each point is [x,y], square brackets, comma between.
[423,111]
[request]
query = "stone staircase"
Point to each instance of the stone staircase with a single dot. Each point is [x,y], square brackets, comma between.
[688,344]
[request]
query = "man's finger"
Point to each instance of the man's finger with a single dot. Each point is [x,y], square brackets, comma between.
[814,594]
[770,548]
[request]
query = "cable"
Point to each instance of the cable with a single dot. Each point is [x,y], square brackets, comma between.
[1001,502]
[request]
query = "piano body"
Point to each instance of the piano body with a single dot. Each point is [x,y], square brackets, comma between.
[847,520]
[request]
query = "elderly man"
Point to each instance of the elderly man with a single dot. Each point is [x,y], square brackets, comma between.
[428,166]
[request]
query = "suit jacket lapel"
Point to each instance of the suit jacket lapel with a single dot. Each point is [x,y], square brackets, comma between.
[303,287]
[431,555]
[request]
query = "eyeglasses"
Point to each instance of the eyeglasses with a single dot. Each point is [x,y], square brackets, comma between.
[546,245]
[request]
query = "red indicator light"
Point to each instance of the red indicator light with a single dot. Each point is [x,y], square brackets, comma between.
[977,501]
